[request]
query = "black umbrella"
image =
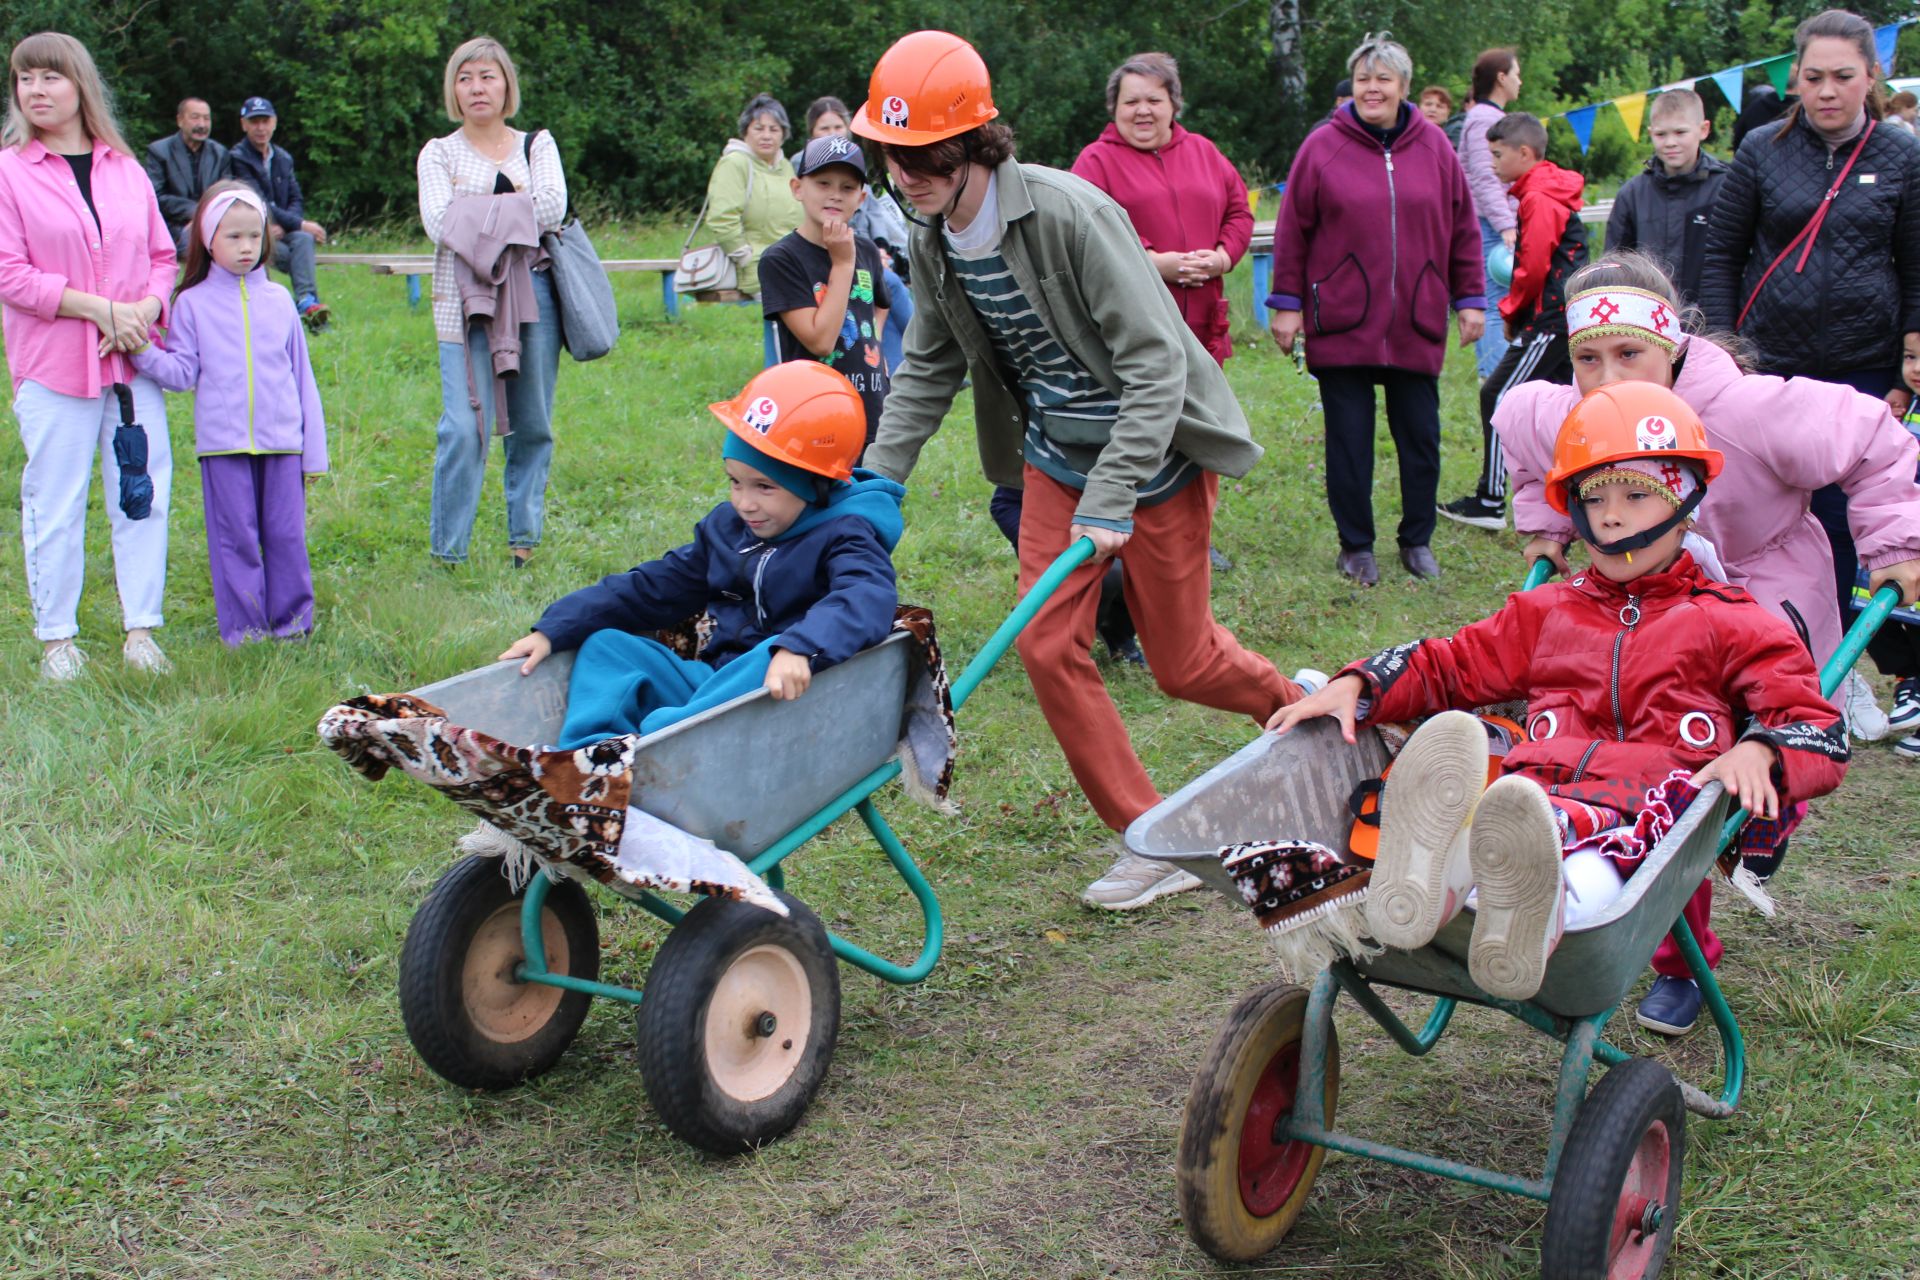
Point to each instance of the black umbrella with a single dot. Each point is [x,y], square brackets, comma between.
[130,452]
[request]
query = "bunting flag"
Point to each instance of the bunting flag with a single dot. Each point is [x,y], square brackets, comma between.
[1582,122]
[1253,199]
[1884,41]
[1777,69]
[1731,85]
[1632,108]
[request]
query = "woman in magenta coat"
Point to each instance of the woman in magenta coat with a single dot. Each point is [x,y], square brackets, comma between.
[1186,199]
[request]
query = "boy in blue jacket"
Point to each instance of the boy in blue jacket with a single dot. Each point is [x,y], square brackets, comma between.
[794,567]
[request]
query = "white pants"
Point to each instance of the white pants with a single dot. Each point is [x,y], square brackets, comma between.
[62,434]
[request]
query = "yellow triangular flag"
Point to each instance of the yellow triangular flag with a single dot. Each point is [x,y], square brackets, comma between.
[1631,109]
[1253,199]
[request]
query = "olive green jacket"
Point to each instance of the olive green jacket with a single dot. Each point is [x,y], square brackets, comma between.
[1076,257]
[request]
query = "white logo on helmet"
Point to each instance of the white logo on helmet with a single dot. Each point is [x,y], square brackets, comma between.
[894,112]
[761,414]
[1656,432]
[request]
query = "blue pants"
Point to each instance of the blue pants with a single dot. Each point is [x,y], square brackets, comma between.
[460,454]
[625,683]
[1493,343]
[893,340]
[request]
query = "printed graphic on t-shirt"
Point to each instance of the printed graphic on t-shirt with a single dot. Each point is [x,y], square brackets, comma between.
[794,275]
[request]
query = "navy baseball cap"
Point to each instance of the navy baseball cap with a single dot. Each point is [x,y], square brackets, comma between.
[831,150]
[256,107]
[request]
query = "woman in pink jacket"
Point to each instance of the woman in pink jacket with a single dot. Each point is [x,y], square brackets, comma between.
[85,265]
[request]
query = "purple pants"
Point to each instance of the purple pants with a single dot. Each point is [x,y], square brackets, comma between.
[257,545]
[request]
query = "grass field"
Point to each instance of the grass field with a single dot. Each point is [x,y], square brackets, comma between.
[202,1067]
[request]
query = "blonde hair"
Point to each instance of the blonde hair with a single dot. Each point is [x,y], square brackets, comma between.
[481,49]
[60,53]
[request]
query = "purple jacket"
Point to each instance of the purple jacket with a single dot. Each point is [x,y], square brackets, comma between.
[1490,199]
[238,346]
[1376,245]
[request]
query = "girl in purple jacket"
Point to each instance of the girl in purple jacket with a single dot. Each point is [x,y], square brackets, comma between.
[236,342]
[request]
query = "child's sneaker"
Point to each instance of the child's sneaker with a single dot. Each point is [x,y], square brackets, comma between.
[1520,907]
[314,314]
[1906,706]
[1477,512]
[62,662]
[1671,1007]
[1310,681]
[1861,710]
[1421,875]
[1908,748]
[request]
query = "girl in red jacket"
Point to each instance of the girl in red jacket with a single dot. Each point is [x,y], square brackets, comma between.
[1644,680]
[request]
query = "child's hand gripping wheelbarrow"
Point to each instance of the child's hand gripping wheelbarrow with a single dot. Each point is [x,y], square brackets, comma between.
[1260,1116]
[741,1006]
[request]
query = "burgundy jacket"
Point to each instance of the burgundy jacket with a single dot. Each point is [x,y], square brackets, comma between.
[1182,197]
[1376,246]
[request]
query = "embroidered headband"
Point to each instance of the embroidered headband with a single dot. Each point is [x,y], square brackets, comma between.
[218,206]
[1611,312]
[1672,480]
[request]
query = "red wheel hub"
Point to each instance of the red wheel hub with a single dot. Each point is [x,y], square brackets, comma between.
[1642,1205]
[1270,1171]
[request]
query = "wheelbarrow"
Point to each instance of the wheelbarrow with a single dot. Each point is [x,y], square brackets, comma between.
[1260,1116]
[741,1008]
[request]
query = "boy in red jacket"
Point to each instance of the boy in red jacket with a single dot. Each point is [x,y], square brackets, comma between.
[1643,679]
[1551,245]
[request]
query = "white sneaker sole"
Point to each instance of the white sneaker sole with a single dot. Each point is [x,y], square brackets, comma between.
[1496,524]
[1515,848]
[1664,1028]
[1175,881]
[1424,811]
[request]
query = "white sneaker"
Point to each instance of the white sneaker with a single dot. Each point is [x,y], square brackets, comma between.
[1520,898]
[142,654]
[1861,710]
[1421,876]
[1310,681]
[1134,881]
[62,662]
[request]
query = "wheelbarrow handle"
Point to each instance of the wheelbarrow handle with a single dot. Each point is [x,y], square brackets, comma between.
[1002,639]
[1537,573]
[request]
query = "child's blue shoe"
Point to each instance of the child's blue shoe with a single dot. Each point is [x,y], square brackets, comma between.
[1672,1006]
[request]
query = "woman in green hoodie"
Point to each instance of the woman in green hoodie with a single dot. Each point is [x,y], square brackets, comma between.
[750,201]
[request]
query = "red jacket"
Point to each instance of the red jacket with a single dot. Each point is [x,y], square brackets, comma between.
[1615,703]
[1183,197]
[1550,245]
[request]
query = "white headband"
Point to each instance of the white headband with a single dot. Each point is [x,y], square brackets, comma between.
[1605,312]
[1674,479]
[218,206]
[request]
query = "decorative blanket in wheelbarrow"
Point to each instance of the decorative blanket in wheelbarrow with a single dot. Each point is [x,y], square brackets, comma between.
[578,808]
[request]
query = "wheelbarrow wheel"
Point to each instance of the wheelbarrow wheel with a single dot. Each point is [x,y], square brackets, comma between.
[469,1018]
[1241,1190]
[738,1023]
[1616,1196]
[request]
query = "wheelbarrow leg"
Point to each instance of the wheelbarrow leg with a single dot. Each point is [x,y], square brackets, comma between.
[1576,1064]
[1733,1048]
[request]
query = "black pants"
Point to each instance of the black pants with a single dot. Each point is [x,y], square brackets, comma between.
[1413,416]
[1538,357]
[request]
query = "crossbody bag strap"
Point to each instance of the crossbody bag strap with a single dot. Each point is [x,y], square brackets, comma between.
[1810,232]
[566,215]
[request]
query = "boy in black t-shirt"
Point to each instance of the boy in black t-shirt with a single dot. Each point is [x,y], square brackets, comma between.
[821,286]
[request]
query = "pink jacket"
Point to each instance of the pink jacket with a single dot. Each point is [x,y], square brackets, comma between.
[1783,438]
[49,244]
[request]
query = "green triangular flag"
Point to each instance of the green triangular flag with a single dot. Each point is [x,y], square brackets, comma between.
[1777,69]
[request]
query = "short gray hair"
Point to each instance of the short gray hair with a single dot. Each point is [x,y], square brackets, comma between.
[1379,50]
[764,104]
[1159,66]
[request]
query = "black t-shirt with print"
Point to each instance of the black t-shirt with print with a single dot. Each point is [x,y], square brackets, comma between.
[793,276]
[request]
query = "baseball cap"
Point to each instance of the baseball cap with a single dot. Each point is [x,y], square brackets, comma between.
[256,106]
[831,150]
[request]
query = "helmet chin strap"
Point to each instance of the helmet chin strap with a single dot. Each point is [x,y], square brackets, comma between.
[907,210]
[1633,542]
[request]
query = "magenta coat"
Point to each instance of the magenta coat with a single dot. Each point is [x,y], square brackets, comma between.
[1183,197]
[1783,438]
[1377,247]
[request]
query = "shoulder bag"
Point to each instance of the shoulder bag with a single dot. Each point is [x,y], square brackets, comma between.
[589,321]
[707,269]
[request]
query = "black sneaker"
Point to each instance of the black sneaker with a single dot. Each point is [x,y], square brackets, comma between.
[1477,512]
[1905,715]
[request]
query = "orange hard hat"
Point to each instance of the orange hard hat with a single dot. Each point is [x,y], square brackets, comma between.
[928,86]
[801,413]
[1627,420]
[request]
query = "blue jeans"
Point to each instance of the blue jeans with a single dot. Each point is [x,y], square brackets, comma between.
[1493,343]
[892,341]
[460,454]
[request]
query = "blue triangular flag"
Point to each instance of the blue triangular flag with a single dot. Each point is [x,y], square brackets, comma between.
[1731,84]
[1582,122]
[1883,42]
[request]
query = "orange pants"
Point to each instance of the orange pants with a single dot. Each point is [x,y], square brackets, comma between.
[1194,658]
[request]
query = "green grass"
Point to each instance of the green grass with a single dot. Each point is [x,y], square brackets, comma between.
[202,1068]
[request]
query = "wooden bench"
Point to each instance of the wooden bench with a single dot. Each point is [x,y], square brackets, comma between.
[1262,254]
[414,265]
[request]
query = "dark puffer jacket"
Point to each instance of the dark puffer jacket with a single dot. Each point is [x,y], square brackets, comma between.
[1860,289]
[1666,214]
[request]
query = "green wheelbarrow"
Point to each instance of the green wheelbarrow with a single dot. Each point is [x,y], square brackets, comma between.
[1260,1117]
[741,1008]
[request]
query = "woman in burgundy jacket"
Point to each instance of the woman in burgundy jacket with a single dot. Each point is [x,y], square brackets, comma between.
[1376,242]
[1187,201]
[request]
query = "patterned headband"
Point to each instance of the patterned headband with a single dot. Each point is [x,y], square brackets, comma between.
[1674,480]
[1632,313]
[218,206]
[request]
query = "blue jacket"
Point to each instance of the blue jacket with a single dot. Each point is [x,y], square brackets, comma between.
[824,587]
[274,181]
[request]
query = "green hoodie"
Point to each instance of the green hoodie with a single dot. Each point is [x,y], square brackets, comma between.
[745,222]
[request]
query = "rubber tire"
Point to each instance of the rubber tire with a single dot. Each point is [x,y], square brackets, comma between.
[1607,1129]
[672,1023]
[1265,1023]
[432,969]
